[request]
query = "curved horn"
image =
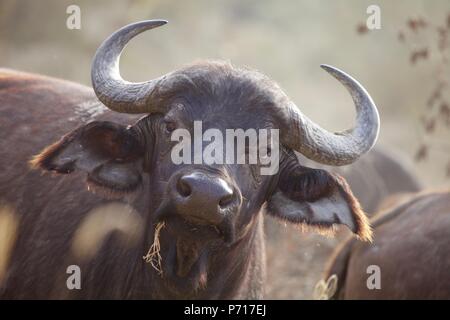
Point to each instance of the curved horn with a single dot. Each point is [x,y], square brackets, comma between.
[117,94]
[339,148]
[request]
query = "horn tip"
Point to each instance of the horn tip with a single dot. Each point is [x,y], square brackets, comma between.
[151,23]
[328,68]
[338,74]
[157,22]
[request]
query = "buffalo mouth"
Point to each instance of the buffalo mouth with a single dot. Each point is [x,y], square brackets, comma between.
[186,249]
[195,228]
[185,252]
[188,253]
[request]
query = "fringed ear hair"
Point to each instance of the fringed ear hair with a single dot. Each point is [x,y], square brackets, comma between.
[110,154]
[320,200]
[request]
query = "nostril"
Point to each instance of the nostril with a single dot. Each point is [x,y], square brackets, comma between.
[184,188]
[226,201]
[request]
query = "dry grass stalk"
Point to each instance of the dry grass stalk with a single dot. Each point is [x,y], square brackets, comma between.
[153,255]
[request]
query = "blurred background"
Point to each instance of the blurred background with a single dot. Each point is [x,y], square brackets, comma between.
[404,65]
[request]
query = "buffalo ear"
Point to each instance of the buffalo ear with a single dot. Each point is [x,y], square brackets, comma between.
[319,199]
[109,153]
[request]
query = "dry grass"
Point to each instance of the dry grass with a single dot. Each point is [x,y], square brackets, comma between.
[153,255]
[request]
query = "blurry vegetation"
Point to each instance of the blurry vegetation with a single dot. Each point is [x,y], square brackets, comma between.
[428,42]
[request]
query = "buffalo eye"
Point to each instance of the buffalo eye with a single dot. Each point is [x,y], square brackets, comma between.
[170,126]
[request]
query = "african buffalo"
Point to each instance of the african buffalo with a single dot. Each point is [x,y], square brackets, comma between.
[200,224]
[410,251]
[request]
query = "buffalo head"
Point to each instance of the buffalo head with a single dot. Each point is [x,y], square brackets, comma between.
[211,211]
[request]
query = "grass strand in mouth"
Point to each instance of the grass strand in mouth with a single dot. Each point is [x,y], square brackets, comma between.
[153,255]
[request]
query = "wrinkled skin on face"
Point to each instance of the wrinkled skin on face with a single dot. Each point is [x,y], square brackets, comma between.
[212,243]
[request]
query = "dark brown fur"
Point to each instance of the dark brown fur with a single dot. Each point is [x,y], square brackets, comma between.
[410,247]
